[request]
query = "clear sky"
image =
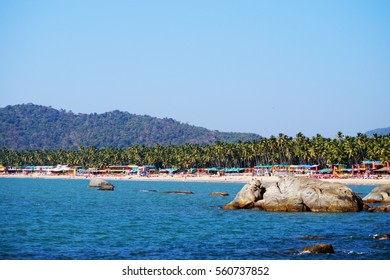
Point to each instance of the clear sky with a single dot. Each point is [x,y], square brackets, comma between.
[266,67]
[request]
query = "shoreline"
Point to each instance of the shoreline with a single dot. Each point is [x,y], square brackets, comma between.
[203,178]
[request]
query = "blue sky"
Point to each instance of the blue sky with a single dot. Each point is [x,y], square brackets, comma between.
[266,67]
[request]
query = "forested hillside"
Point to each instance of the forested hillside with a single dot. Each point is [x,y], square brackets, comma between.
[31,127]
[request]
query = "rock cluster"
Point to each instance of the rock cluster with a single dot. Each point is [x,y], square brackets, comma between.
[297,194]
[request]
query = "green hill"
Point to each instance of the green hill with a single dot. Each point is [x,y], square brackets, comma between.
[30,127]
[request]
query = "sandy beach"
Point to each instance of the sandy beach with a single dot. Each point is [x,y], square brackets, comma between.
[205,178]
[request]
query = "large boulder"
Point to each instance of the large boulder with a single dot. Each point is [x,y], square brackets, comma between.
[247,196]
[379,194]
[297,194]
[100,184]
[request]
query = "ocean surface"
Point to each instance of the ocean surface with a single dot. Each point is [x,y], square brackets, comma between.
[48,219]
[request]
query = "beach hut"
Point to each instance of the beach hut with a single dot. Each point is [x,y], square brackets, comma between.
[368,167]
[324,173]
[192,170]
[214,170]
[325,170]
[262,170]
[62,169]
[233,170]
[292,168]
[383,170]
[170,170]
[300,168]
[371,164]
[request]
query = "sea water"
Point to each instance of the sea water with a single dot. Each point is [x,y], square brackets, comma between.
[64,219]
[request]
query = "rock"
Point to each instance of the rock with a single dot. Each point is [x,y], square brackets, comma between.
[384,208]
[297,194]
[106,188]
[311,237]
[218,194]
[101,184]
[178,192]
[319,249]
[382,236]
[247,196]
[379,194]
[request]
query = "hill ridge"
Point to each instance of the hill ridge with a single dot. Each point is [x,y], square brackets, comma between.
[32,127]
[379,131]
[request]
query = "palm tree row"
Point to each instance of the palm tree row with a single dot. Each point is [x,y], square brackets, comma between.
[274,150]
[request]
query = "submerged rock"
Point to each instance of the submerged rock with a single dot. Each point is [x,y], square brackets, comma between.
[101,184]
[384,208]
[311,237]
[319,249]
[379,194]
[178,192]
[218,194]
[297,194]
[106,188]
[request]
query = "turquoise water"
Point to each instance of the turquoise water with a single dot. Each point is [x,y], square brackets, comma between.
[64,219]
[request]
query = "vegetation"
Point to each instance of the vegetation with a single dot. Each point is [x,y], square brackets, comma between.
[273,150]
[39,135]
[34,127]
